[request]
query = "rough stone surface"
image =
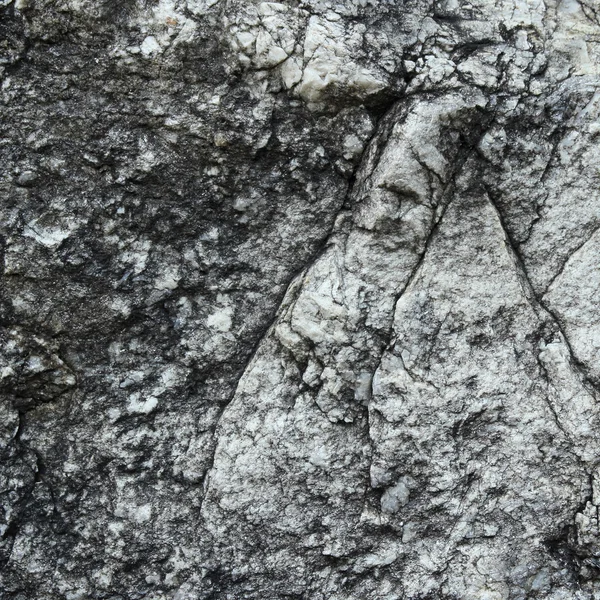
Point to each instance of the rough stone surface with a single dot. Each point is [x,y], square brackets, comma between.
[300,300]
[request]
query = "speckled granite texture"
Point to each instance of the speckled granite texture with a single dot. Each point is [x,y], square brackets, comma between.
[299,300]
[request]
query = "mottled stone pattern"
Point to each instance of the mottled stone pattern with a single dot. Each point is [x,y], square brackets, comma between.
[299,300]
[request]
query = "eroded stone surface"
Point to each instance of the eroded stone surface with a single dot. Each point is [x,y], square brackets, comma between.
[299,300]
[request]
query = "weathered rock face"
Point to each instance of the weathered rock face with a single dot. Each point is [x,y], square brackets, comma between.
[299,300]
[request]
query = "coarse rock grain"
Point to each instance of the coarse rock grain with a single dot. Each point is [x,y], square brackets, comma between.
[299,300]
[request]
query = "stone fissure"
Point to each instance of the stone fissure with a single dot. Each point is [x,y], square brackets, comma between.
[539,301]
[345,205]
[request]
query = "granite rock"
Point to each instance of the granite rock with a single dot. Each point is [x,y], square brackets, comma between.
[299,300]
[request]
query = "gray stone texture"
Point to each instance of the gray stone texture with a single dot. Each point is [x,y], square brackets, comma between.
[299,300]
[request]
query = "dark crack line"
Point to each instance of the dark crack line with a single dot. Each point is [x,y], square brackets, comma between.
[541,306]
[551,406]
[571,255]
[444,203]
[298,274]
[559,133]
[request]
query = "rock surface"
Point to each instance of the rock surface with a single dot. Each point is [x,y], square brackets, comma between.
[300,300]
